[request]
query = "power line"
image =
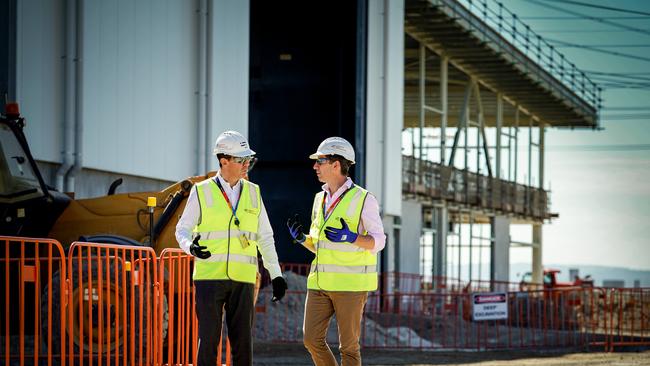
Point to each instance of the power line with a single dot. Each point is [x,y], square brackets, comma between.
[614,53]
[616,73]
[621,10]
[604,45]
[583,31]
[573,18]
[596,19]
[630,108]
[613,147]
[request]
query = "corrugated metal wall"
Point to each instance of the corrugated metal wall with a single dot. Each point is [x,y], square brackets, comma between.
[139,84]
[39,74]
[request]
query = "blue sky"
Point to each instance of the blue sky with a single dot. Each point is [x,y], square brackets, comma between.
[599,179]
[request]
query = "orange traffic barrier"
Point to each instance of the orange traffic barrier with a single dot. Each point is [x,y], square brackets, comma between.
[178,341]
[112,303]
[33,270]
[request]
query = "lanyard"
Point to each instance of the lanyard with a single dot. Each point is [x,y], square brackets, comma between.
[225,196]
[327,212]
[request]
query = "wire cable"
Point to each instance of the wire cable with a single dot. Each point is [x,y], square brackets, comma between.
[596,19]
[603,7]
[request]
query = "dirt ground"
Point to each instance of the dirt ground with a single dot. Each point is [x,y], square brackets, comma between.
[295,354]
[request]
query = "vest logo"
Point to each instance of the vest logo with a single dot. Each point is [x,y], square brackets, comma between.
[250,211]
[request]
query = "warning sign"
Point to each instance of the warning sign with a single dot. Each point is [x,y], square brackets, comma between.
[490,306]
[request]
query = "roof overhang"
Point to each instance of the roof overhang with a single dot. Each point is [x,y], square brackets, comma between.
[475,50]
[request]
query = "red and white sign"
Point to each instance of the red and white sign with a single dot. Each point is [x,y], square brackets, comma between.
[490,306]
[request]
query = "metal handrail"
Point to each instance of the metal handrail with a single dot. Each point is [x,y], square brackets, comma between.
[528,42]
[431,180]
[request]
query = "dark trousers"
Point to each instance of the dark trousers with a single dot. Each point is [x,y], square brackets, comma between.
[236,298]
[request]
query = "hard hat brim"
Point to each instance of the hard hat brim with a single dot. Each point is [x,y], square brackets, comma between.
[315,156]
[241,154]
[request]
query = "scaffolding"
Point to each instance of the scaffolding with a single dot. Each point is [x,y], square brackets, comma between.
[480,91]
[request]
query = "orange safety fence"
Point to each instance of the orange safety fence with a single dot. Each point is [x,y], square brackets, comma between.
[104,304]
[177,318]
[34,301]
[101,304]
[112,301]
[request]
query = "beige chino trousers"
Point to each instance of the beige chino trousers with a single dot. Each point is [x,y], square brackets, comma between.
[319,309]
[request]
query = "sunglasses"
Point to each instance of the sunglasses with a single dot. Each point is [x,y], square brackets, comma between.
[323,160]
[242,160]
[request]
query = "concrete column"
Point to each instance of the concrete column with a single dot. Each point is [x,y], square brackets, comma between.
[444,63]
[500,251]
[498,142]
[538,269]
[542,149]
[440,248]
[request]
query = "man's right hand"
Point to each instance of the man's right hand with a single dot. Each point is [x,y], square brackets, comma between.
[198,250]
[295,229]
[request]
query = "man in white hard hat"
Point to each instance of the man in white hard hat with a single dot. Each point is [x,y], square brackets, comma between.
[223,226]
[346,233]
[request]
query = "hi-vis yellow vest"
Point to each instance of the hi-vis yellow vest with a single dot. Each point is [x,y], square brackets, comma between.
[230,259]
[340,266]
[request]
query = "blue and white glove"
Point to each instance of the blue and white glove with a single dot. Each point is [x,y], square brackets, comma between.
[295,229]
[344,234]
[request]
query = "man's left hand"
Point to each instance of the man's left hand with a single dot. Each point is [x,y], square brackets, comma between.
[344,234]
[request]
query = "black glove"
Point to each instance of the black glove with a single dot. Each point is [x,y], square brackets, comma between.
[295,229]
[198,250]
[279,288]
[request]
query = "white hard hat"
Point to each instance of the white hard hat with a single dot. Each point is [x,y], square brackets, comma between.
[335,146]
[232,143]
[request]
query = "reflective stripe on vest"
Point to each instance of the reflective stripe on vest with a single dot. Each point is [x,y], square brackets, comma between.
[341,247]
[341,266]
[334,268]
[224,234]
[233,258]
[233,248]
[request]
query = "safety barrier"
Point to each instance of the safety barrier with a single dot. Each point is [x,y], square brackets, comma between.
[121,305]
[32,269]
[627,318]
[112,303]
[178,339]
[577,318]
[101,304]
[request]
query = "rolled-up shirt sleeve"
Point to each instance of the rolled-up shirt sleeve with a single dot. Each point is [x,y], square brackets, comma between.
[372,223]
[266,244]
[189,219]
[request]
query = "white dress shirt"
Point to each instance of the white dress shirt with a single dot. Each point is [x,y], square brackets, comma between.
[192,214]
[370,219]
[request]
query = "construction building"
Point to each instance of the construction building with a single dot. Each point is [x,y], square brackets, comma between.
[446,102]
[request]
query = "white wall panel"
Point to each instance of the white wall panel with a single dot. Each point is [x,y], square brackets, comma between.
[385,102]
[394,102]
[139,87]
[374,101]
[230,47]
[40,73]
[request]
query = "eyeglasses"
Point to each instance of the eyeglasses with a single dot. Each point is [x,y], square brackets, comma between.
[323,160]
[242,160]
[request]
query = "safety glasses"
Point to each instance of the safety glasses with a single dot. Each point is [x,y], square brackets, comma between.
[323,160]
[242,160]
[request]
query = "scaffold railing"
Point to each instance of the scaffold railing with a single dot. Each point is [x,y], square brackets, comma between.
[511,28]
[429,180]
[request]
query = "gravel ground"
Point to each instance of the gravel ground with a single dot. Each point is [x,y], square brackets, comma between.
[295,354]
